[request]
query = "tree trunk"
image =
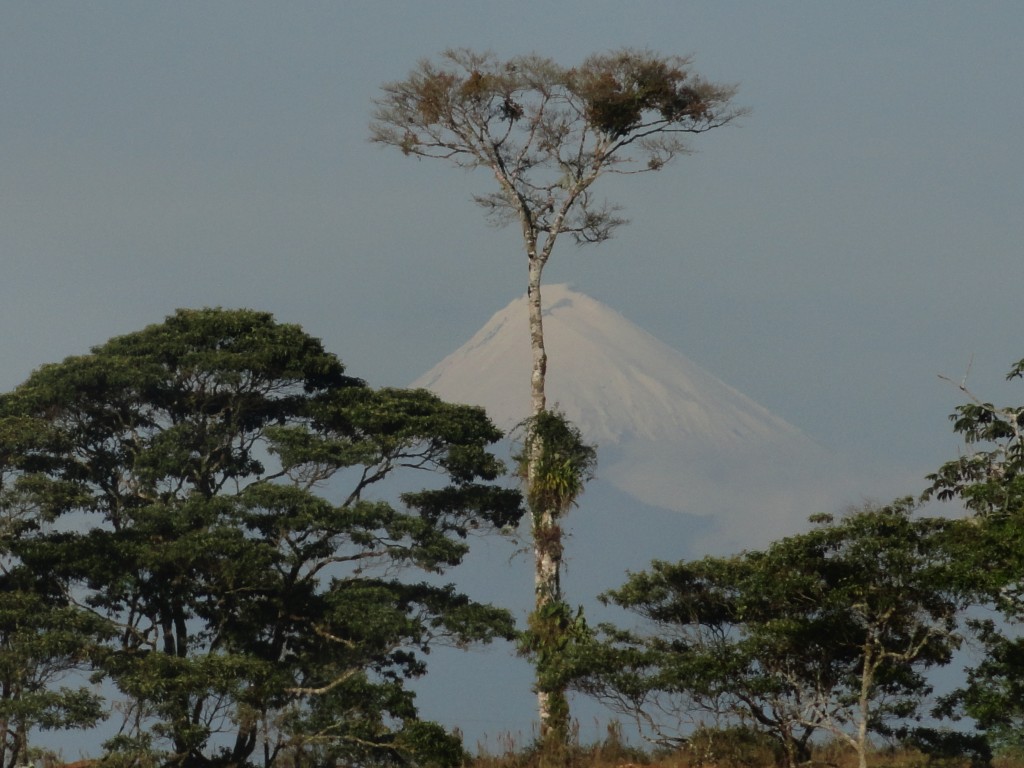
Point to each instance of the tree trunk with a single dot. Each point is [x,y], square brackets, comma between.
[864,704]
[546,537]
[539,370]
[548,620]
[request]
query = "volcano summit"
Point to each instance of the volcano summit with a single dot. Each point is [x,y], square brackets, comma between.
[669,434]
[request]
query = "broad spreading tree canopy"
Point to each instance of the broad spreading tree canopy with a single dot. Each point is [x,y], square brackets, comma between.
[827,631]
[548,132]
[206,490]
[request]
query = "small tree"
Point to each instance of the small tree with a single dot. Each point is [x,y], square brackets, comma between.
[46,642]
[547,133]
[989,481]
[211,483]
[829,630]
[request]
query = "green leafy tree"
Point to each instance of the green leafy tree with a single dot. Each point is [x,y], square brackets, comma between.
[45,641]
[546,134]
[988,480]
[830,630]
[206,487]
[44,648]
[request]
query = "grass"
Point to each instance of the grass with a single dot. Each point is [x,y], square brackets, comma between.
[728,748]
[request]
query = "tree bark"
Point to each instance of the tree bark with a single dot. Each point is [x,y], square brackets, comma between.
[547,560]
[552,705]
[864,704]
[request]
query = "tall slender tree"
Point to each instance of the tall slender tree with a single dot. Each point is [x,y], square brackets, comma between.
[547,133]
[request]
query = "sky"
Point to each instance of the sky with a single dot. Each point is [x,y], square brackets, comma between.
[853,238]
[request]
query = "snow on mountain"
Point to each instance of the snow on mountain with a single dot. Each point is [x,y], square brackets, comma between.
[614,380]
[669,433]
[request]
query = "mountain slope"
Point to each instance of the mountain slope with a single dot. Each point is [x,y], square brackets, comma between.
[669,433]
[613,379]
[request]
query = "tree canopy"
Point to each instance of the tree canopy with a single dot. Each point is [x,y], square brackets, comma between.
[548,132]
[988,480]
[212,494]
[824,631]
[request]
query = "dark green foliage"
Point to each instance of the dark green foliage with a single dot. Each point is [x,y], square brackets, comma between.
[562,462]
[736,745]
[989,482]
[203,487]
[945,747]
[827,630]
[42,642]
[994,694]
[555,637]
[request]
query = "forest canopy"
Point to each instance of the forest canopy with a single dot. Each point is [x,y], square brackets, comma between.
[188,513]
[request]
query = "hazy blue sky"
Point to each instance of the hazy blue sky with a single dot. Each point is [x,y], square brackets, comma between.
[857,234]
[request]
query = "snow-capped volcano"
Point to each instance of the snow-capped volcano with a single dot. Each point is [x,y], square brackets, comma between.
[615,381]
[668,433]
